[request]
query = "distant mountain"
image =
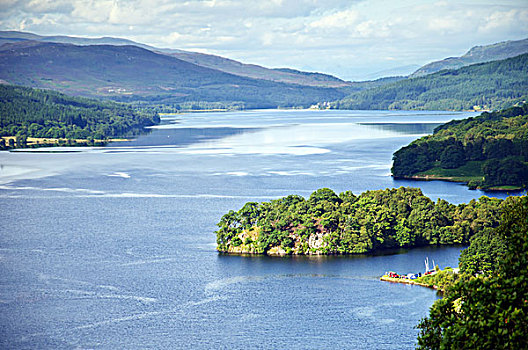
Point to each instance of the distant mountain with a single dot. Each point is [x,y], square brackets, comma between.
[258,72]
[477,54]
[131,73]
[392,72]
[205,60]
[14,37]
[491,85]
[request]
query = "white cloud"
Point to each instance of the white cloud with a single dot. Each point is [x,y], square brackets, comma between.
[49,6]
[343,37]
[443,25]
[341,19]
[504,20]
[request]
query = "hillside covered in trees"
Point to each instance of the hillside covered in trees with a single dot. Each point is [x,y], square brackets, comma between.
[327,223]
[487,151]
[486,306]
[27,112]
[491,85]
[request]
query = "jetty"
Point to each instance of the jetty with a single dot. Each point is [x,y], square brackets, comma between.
[411,278]
[405,281]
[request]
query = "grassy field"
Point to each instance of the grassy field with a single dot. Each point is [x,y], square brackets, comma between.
[470,171]
[32,142]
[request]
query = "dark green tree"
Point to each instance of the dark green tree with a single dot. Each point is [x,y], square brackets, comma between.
[453,156]
[488,311]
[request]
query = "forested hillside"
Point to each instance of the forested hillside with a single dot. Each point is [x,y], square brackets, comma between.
[328,223]
[487,306]
[492,85]
[30,112]
[489,150]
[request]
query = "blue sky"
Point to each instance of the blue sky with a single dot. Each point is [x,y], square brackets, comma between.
[354,40]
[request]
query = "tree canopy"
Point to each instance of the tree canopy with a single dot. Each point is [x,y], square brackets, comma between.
[49,114]
[328,223]
[487,308]
[494,144]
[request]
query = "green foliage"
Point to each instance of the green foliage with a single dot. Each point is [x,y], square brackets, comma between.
[497,141]
[453,156]
[510,171]
[328,223]
[26,112]
[485,251]
[441,279]
[489,311]
[491,85]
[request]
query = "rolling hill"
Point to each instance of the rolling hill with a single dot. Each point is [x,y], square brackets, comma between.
[130,73]
[205,60]
[283,75]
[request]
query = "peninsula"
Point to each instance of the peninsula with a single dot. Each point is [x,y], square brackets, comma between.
[34,118]
[489,152]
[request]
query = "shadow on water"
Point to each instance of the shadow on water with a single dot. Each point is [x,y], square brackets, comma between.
[180,137]
[404,128]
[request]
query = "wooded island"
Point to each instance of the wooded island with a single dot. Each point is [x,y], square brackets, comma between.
[328,223]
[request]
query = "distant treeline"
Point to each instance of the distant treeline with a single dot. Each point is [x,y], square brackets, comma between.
[172,107]
[27,112]
[497,141]
[491,85]
[328,223]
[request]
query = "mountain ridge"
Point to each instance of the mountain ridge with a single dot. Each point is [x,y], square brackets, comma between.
[130,73]
[223,64]
[477,54]
[489,85]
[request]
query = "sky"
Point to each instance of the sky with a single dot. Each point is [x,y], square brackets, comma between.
[352,39]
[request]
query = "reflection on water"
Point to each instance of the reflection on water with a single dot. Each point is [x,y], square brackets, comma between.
[178,137]
[406,128]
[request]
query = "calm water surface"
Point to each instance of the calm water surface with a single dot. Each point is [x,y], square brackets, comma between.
[115,248]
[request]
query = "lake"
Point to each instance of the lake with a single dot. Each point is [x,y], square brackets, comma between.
[115,248]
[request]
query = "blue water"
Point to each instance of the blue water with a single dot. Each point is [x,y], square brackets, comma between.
[115,248]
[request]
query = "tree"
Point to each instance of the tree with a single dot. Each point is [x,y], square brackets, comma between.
[487,312]
[21,140]
[348,224]
[453,157]
[483,255]
[504,172]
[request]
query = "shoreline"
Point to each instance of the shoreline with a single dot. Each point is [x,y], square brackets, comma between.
[453,179]
[43,142]
[386,278]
